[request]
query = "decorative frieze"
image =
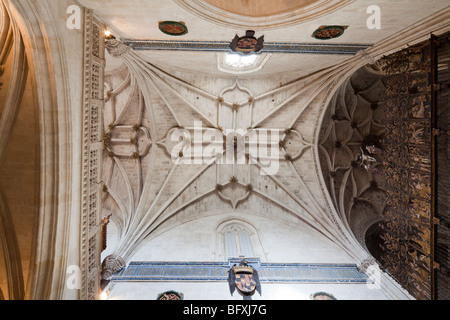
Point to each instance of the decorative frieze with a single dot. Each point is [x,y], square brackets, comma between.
[217,271]
[94,64]
[223,46]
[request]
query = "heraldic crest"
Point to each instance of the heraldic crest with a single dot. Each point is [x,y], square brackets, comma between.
[247,44]
[245,278]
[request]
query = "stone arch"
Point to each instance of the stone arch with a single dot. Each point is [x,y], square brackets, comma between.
[373,240]
[240,17]
[55,70]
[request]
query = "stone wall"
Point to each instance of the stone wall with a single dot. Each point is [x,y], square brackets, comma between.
[199,241]
[221,291]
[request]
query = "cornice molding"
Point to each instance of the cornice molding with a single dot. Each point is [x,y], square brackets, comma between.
[224,46]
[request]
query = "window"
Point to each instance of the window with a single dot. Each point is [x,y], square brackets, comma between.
[236,238]
[241,64]
[240,61]
[237,242]
[230,245]
[246,245]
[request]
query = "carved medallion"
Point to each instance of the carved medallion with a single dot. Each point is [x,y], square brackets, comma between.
[173,28]
[170,295]
[322,296]
[329,32]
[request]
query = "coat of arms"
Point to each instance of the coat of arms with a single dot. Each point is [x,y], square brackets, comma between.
[329,32]
[247,44]
[170,295]
[245,278]
[173,28]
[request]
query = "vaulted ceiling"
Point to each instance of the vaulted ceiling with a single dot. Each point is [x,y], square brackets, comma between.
[352,120]
[150,188]
[157,83]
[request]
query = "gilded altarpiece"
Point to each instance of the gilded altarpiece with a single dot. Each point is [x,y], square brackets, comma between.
[408,170]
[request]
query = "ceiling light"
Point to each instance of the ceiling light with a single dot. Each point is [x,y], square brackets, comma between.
[104,296]
[108,34]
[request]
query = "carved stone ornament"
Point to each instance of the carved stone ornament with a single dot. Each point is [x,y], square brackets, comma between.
[366,263]
[366,57]
[116,48]
[111,265]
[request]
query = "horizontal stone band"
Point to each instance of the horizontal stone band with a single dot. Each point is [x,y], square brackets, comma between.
[268,272]
[269,47]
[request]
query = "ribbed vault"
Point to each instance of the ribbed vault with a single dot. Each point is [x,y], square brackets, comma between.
[147,189]
[352,123]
